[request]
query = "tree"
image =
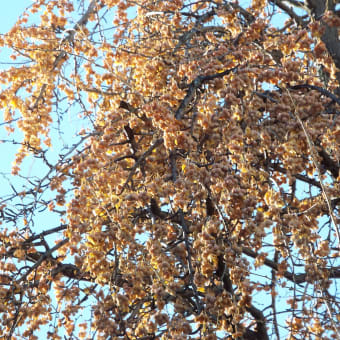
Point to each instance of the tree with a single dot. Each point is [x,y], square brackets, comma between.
[200,197]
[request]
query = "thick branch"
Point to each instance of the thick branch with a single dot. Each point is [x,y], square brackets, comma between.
[319,89]
[330,35]
[194,86]
[333,273]
[147,153]
[261,330]
[300,177]
[289,10]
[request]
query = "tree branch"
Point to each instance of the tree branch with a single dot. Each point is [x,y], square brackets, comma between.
[194,86]
[333,273]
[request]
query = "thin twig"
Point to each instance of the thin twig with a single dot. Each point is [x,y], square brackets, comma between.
[316,165]
[69,38]
[148,152]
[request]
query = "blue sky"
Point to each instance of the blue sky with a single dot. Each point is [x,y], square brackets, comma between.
[10,11]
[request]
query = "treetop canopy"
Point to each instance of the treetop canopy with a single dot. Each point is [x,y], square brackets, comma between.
[188,170]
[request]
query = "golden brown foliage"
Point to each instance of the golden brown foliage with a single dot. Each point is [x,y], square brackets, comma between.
[200,196]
